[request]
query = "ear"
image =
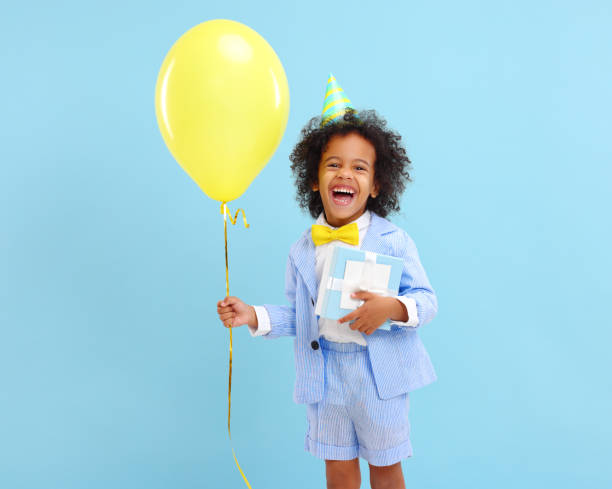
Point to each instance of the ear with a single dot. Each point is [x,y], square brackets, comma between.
[375,190]
[315,186]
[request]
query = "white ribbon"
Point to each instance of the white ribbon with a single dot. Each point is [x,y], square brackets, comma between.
[369,272]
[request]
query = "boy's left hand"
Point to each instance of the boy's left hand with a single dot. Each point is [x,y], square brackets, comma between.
[372,313]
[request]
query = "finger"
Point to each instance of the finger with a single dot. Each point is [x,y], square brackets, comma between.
[355,314]
[227,315]
[228,323]
[235,322]
[362,294]
[356,324]
[348,317]
[230,303]
[365,325]
[225,309]
[229,300]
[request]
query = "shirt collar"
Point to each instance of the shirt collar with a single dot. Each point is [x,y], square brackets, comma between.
[363,221]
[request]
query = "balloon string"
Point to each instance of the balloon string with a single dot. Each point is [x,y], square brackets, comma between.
[225,212]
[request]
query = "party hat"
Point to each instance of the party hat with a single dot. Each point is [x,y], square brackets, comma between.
[336,102]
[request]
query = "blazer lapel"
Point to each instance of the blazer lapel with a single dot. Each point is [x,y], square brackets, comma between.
[304,259]
[378,227]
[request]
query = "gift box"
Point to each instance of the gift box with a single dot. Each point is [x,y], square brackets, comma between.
[349,270]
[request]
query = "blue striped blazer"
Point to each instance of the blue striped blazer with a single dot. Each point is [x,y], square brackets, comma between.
[398,357]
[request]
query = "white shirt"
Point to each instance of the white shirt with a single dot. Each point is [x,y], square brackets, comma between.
[331,329]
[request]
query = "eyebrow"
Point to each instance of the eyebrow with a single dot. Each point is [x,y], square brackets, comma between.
[356,159]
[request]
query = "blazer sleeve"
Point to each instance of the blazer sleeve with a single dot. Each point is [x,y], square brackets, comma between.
[282,318]
[415,284]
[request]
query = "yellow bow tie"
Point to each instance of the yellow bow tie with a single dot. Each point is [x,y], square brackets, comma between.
[348,233]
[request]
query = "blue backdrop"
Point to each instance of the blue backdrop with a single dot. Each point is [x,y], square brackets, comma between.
[113,363]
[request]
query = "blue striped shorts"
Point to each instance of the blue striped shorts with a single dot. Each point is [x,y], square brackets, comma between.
[351,420]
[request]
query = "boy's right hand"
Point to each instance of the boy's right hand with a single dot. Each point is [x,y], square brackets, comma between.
[233,312]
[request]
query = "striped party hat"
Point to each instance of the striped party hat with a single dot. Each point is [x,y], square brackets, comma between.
[336,102]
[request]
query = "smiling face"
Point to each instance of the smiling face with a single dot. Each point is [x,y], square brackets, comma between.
[346,178]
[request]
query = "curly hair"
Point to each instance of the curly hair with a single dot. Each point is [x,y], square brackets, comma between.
[390,169]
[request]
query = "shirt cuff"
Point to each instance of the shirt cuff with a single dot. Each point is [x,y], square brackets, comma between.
[263,322]
[413,316]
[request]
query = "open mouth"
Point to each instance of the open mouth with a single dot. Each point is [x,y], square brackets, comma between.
[342,196]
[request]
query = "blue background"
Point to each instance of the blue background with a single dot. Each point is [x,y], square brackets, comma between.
[113,362]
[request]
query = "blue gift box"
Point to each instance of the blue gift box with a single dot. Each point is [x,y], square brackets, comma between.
[348,270]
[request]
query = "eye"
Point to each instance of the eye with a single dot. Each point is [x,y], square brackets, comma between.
[360,167]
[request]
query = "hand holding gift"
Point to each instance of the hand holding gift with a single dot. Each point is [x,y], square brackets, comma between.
[374,312]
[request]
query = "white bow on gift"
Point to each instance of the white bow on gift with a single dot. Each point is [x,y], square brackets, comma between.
[364,275]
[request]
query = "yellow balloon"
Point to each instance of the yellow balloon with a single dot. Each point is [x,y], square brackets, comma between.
[222,104]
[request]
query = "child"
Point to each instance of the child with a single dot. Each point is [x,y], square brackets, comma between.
[350,172]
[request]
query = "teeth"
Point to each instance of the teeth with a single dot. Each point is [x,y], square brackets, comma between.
[344,191]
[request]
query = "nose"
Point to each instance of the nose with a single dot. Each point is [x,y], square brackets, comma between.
[345,171]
